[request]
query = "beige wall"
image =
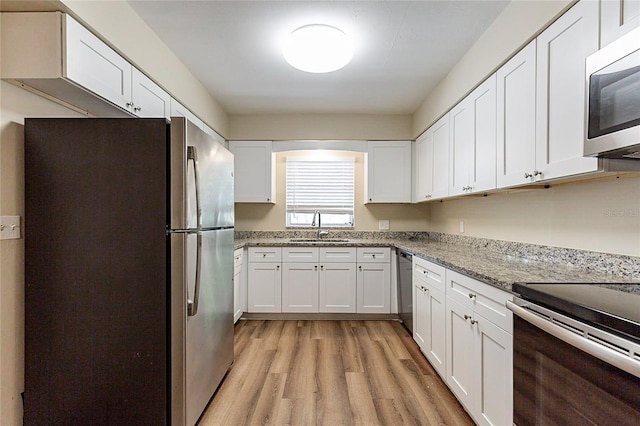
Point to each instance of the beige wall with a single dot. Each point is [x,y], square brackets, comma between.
[519,22]
[15,104]
[271,217]
[596,216]
[320,126]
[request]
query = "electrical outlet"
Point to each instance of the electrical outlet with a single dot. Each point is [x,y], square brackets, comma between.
[9,227]
[461,226]
[383,225]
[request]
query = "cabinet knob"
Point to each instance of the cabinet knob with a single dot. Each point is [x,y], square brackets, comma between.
[474,322]
[370,199]
[264,254]
[360,267]
[472,296]
[129,104]
[373,255]
[321,266]
[527,175]
[137,109]
[425,272]
[268,199]
[277,266]
[537,172]
[315,267]
[466,317]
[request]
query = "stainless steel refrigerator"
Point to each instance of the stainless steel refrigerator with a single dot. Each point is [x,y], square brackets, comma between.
[128,271]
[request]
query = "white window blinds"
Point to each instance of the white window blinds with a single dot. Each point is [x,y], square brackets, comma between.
[326,186]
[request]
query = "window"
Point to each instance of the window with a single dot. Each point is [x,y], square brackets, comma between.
[323,185]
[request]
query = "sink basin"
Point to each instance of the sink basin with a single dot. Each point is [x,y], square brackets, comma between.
[318,240]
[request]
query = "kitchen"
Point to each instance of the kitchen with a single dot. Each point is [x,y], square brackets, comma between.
[599,216]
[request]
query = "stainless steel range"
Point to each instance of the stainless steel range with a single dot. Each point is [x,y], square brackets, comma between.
[576,354]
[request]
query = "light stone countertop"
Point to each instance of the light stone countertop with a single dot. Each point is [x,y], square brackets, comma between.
[491,267]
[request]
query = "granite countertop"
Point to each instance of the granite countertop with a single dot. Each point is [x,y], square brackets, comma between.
[491,267]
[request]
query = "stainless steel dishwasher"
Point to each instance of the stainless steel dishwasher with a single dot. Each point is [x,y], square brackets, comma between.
[405,288]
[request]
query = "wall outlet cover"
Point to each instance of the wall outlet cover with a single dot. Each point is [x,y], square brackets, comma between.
[383,225]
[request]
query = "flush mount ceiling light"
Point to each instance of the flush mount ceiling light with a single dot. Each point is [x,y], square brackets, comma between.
[318,48]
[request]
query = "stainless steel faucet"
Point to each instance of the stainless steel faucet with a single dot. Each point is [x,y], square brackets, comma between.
[313,223]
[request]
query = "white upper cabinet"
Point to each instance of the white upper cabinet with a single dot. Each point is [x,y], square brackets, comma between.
[388,172]
[618,18]
[254,171]
[179,110]
[472,149]
[432,162]
[53,53]
[148,99]
[560,96]
[516,90]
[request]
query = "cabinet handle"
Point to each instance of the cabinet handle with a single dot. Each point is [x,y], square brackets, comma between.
[472,296]
[137,109]
[315,267]
[474,321]
[536,173]
[466,317]
[373,255]
[370,199]
[277,266]
[527,175]
[264,254]
[129,104]
[268,199]
[425,272]
[321,266]
[360,267]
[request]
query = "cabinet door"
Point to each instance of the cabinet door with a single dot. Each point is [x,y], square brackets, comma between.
[238,284]
[300,287]
[254,171]
[482,164]
[440,164]
[424,166]
[264,287]
[388,178]
[493,402]
[560,101]
[149,100]
[95,66]
[421,313]
[516,90]
[461,121]
[179,110]
[436,344]
[374,288]
[460,352]
[618,18]
[337,287]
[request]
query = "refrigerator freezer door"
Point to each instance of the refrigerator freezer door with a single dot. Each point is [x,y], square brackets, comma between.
[201,177]
[209,333]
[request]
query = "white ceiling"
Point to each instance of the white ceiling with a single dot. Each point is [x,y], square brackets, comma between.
[403,49]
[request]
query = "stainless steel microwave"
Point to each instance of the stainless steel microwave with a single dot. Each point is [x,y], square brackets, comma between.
[613,99]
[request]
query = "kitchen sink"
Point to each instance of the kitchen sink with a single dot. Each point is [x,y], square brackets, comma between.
[318,240]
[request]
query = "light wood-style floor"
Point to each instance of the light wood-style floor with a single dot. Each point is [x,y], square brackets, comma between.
[330,373]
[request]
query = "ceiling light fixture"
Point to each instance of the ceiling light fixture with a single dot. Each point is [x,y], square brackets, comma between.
[318,48]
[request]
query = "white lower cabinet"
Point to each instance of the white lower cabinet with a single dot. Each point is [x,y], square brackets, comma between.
[337,287]
[300,279]
[264,286]
[238,285]
[373,280]
[479,356]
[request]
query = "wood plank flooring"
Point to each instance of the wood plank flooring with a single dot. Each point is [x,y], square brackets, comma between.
[330,373]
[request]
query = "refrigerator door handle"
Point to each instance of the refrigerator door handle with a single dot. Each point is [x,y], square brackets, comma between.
[192,305]
[192,155]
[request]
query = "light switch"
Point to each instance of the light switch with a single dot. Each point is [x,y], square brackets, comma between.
[383,225]
[9,227]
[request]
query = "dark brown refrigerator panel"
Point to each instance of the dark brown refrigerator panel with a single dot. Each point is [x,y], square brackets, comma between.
[96,272]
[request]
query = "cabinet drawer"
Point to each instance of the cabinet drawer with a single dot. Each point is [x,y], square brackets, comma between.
[265,254]
[484,299]
[300,254]
[338,254]
[429,273]
[374,254]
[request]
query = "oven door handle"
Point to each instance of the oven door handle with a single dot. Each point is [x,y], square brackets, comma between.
[603,353]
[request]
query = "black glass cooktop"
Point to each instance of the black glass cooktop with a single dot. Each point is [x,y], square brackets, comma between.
[611,307]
